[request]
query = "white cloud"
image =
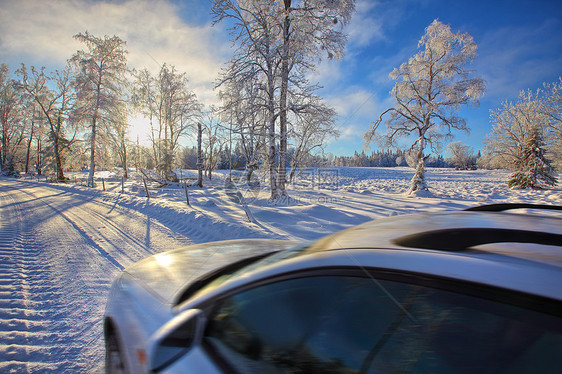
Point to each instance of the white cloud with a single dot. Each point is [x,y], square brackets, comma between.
[40,33]
[364,28]
[357,109]
[356,103]
[350,132]
[326,72]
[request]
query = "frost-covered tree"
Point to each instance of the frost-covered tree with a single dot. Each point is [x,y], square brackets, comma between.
[245,111]
[212,143]
[100,76]
[552,100]
[115,137]
[311,29]
[11,126]
[56,106]
[310,130]
[533,168]
[462,156]
[277,43]
[429,89]
[517,141]
[254,65]
[172,109]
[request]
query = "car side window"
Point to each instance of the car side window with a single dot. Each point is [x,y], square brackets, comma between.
[347,324]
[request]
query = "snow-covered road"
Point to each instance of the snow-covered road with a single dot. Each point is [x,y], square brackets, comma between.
[59,252]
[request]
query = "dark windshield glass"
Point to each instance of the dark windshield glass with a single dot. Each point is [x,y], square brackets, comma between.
[352,325]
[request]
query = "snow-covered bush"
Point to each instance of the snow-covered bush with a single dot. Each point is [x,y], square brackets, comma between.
[462,156]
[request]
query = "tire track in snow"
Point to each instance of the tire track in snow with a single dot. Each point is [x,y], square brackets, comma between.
[25,346]
[58,295]
[84,234]
[81,271]
[70,241]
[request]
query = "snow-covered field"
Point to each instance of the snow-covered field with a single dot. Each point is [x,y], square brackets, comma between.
[61,245]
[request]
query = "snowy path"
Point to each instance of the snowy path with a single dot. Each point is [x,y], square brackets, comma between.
[59,252]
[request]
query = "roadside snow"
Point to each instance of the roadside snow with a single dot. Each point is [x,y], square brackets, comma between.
[62,245]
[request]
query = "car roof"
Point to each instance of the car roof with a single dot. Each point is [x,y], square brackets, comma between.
[501,259]
[537,238]
[519,251]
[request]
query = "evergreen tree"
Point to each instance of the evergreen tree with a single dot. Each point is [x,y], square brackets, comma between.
[533,169]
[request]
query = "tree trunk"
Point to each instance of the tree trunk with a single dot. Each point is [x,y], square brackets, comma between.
[272,146]
[210,163]
[94,133]
[3,148]
[418,180]
[199,156]
[58,162]
[282,175]
[28,153]
[124,150]
[4,142]
[294,166]
[57,150]
[92,154]
[39,161]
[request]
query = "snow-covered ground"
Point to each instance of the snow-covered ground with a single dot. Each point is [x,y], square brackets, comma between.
[61,245]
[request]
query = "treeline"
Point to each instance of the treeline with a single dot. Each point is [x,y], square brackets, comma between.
[236,159]
[386,159]
[77,118]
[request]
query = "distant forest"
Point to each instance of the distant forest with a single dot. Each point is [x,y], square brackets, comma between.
[387,158]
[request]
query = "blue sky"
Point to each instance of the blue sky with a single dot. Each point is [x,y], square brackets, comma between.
[520,46]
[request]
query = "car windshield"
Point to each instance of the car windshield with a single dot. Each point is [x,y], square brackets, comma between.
[234,271]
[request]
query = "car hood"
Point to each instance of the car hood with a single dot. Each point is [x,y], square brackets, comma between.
[167,274]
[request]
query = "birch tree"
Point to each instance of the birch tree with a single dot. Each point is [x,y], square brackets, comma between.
[11,128]
[552,100]
[314,124]
[101,70]
[172,109]
[143,99]
[311,29]
[255,60]
[115,137]
[429,90]
[213,142]
[244,109]
[277,43]
[56,106]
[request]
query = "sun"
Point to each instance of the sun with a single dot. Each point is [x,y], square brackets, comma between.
[139,128]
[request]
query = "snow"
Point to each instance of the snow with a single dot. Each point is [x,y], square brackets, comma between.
[62,245]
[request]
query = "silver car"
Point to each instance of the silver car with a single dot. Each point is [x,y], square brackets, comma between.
[455,292]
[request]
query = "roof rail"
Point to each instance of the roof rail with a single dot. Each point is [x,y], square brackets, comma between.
[510,206]
[460,239]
